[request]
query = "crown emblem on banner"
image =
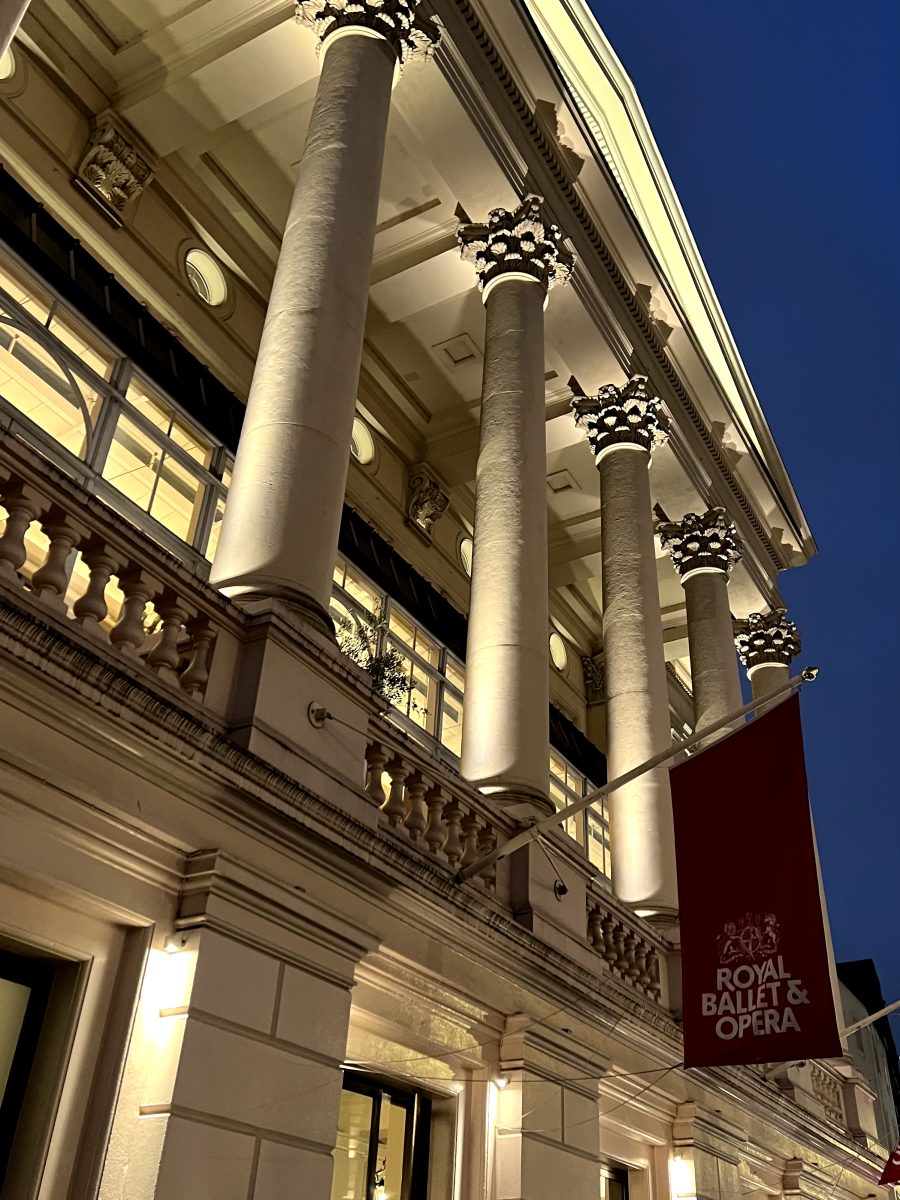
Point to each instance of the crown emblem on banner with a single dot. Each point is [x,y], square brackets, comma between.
[752,938]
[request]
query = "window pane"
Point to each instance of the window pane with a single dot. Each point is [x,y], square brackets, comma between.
[215,529]
[25,292]
[150,406]
[351,1154]
[404,629]
[199,450]
[361,591]
[35,383]
[80,342]
[391,1151]
[176,503]
[451,722]
[455,675]
[14,999]
[133,462]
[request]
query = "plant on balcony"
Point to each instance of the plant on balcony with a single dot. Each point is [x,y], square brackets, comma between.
[364,641]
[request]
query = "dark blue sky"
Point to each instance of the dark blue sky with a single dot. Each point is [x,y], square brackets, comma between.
[778,123]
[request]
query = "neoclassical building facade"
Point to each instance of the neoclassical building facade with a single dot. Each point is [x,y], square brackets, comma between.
[378,474]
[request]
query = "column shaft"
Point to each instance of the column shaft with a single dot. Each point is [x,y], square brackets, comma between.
[505,732]
[641,833]
[714,668]
[767,678]
[11,14]
[280,532]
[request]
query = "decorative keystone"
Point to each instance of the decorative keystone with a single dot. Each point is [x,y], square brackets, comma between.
[397,21]
[628,416]
[522,241]
[706,542]
[114,167]
[428,499]
[767,638]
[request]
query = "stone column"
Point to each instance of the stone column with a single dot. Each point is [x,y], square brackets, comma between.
[11,14]
[280,531]
[505,748]
[767,643]
[704,549]
[623,427]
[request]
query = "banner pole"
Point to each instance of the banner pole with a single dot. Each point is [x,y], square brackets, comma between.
[534,831]
[882,1012]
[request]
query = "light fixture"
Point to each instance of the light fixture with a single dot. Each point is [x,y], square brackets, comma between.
[500,1082]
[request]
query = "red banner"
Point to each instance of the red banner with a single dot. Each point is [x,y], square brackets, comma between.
[755,981]
[891,1172]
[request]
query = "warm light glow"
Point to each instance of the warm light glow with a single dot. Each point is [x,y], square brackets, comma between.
[681,1177]
[501,1081]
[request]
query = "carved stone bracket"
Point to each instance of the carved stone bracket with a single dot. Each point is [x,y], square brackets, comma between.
[767,638]
[115,168]
[621,416]
[708,541]
[519,242]
[594,668]
[397,21]
[428,500]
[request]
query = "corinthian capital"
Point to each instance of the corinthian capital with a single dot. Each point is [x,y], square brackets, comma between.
[521,242]
[628,416]
[397,21]
[707,542]
[767,638]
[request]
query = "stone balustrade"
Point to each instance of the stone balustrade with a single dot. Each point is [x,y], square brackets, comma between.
[84,565]
[427,804]
[627,951]
[826,1087]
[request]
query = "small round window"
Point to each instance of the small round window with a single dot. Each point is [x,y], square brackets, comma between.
[362,444]
[206,277]
[466,549]
[559,656]
[7,66]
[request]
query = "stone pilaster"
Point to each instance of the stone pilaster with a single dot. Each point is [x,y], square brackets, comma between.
[704,549]
[767,644]
[518,256]
[623,426]
[280,531]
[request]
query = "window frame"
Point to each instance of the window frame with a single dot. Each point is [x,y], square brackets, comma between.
[417,1135]
[38,975]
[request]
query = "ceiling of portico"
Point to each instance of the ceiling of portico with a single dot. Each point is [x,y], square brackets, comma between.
[222,90]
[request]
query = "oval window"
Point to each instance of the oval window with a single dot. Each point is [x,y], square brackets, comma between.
[206,277]
[362,444]
[559,656]
[466,550]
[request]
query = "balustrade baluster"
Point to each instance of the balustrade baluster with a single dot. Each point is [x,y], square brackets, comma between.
[609,945]
[395,808]
[453,846]
[376,760]
[619,947]
[22,506]
[435,830]
[595,926]
[91,608]
[127,635]
[165,656]
[629,964]
[414,813]
[470,838]
[196,674]
[653,972]
[50,581]
[487,843]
